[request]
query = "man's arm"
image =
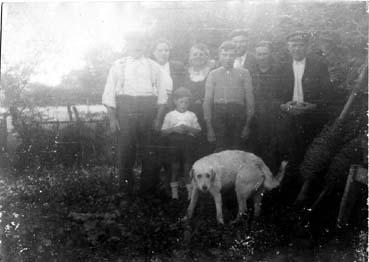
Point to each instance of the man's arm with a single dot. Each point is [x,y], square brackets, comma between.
[249,101]
[207,106]
[108,97]
[325,82]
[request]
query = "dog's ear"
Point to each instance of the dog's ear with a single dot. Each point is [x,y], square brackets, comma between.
[191,174]
[212,175]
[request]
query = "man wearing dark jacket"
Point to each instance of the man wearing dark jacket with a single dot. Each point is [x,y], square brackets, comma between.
[244,59]
[307,86]
[306,90]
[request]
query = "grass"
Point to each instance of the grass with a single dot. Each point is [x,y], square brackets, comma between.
[64,214]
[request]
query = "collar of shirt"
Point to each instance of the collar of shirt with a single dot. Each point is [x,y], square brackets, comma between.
[239,61]
[131,59]
[197,76]
[227,70]
[243,57]
[301,62]
[165,67]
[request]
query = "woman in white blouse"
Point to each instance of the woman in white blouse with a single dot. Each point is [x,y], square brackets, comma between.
[174,69]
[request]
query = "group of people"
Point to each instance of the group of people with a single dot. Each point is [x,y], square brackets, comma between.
[171,114]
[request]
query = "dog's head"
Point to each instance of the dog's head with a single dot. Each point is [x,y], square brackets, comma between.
[203,178]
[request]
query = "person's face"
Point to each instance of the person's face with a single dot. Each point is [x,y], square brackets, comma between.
[182,104]
[198,57]
[241,44]
[263,55]
[136,48]
[161,53]
[297,50]
[226,57]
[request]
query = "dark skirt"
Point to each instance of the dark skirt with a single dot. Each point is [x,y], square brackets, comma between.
[180,148]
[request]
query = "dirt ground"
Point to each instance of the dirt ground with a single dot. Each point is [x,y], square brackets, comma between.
[74,215]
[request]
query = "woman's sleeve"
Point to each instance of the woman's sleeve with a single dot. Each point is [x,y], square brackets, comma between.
[249,94]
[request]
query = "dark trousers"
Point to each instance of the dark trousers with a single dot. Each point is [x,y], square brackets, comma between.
[263,139]
[228,122]
[136,137]
[296,133]
[181,148]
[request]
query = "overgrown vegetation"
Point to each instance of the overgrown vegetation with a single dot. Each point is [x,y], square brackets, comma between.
[61,198]
[71,214]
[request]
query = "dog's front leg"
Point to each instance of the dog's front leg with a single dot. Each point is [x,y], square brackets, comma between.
[192,205]
[218,205]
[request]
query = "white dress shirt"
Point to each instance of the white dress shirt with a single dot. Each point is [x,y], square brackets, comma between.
[239,61]
[135,77]
[165,67]
[175,118]
[298,72]
[168,79]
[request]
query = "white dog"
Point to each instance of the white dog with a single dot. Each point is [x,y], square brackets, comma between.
[245,171]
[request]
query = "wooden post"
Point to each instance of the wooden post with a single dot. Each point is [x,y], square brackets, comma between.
[356,174]
[3,140]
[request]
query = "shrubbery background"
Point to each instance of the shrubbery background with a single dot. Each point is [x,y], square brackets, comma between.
[60,198]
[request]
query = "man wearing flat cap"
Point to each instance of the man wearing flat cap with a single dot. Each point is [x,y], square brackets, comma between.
[307,86]
[244,59]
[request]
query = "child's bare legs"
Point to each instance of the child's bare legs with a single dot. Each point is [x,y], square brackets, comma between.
[175,169]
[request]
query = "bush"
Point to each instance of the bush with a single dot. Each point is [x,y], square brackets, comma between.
[76,144]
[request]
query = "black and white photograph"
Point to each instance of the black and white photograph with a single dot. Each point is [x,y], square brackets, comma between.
[174,130]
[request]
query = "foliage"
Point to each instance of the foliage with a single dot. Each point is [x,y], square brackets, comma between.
[48,212]
[77,143]
[52,211]
[338,33]
[68,214]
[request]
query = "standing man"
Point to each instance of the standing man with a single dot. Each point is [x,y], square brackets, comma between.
[229,101]
[307,85]
[135,97]
[244,59]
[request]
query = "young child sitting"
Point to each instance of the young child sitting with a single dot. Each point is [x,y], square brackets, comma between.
[180,127]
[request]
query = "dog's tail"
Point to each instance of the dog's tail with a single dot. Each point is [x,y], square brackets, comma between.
[270,181]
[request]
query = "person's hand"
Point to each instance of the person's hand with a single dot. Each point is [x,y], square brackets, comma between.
[182,129]
[114,124]
[113,120]
[157,125]
[178,129]
[295,108]
[245,133]
[211,135]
